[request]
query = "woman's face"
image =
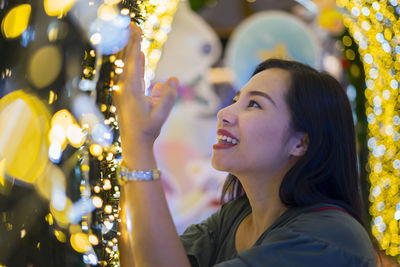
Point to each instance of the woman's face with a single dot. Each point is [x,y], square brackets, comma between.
[256,127]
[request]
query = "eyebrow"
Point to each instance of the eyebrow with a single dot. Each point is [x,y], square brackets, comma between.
[259,93]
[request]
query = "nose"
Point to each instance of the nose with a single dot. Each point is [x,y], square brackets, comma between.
[226,116]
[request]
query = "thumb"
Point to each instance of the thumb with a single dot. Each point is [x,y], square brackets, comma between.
[167,99]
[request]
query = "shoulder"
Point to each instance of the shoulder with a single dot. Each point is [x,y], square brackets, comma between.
[338,230]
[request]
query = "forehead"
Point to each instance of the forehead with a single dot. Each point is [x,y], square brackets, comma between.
[274,82]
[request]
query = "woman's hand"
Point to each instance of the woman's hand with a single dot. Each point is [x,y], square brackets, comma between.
[140,117]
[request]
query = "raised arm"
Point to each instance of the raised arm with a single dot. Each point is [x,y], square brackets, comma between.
[148,232]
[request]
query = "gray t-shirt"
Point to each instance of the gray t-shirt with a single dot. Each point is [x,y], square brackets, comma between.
[317,235]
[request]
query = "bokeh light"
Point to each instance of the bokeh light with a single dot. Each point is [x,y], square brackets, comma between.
[24,124]
[61,216]
[57,8]
[45,66]
[16,21]
[80,242]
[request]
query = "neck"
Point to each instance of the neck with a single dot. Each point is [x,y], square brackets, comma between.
[263,195]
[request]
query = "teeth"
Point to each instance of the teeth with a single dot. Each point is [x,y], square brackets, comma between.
[227,139]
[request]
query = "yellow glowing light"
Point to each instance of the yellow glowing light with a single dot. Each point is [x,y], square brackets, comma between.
[60,236]
[52,97]
[124,11]
[57,134]
[95,39]
[49,219]
[96,189]
[119,63]
[61,216]
[107,12]
[118,70]
[97,202]
[44,66]
[155,30]
[23,233]
[24,124]
[93,240]
[63,118]
[75,135]
[58,8]
[109,156]
[376,33]
[16,21]
[103,107]
[80,242]
[108,209]
[107,184]
[96,150]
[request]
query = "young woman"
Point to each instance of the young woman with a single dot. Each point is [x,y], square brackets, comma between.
[288,144]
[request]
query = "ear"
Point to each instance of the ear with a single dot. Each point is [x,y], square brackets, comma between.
[299,144]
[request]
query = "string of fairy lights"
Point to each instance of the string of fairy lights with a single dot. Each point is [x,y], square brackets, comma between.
[89,221]
[374,26]
[157,18]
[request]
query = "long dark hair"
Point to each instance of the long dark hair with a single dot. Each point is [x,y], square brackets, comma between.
[328,171]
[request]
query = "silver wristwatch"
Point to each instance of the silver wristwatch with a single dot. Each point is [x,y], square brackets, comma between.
[124,175]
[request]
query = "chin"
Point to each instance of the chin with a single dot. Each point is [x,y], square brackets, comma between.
[220,164]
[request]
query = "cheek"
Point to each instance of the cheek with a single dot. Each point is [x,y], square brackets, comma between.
[266,140]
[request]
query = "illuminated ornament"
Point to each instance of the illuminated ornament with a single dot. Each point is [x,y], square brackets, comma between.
[24,124]
[75,135]
[16,21]
[80,242]
[158,16]
[45,66]
[58,8]
[331,20]
[374,27]
[60,236]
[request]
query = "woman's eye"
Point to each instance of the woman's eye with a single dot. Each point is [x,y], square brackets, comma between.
[253,103]
[234,101]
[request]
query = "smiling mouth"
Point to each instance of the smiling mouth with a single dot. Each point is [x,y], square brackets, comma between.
[225,142]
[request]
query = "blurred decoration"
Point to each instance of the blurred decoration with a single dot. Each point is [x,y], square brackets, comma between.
[59,140]
[373,25]
[24,123]
[44,66]
[329,17]
[158,17]
[184,147]
[269,34]
[16,21]
[58,8]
